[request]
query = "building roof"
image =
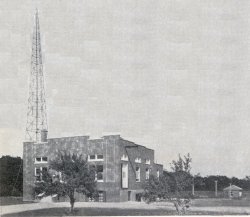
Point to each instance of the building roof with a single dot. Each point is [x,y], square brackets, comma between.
[136,145]
[232,188]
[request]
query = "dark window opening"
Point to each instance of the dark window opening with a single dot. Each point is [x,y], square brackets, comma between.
[138,197]
[129,195]
[38,174]
[38,159]
[99,170]
[92,167]
[99,156]
[38,178]
[92,157]
[44,159]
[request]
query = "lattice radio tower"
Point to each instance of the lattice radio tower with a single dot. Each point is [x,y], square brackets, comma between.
[36,115]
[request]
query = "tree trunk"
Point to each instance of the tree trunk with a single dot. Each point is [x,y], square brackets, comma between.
[181,206]
[177,207]
[72,205]
[72,202]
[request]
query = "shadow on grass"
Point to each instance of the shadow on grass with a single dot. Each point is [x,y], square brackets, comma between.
[104,212]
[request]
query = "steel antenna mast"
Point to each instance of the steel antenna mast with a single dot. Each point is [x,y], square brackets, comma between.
[36,115]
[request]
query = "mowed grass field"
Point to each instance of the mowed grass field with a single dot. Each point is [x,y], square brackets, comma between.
[109,212]
[220,202]
[12,201]
[207,206]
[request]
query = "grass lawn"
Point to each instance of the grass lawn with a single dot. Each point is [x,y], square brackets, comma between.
[93,211]
[220,202]
[12,201]
[200,207]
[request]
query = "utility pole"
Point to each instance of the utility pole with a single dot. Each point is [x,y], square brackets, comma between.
[230,191]
[36,115]
[193,187]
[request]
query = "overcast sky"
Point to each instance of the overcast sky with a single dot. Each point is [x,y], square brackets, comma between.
[171,75]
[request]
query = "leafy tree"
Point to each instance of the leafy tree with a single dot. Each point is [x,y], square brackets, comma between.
[182,182]
[155,188]
[182,165]
[11,176]
[198,182]
[172,185]
[67,174]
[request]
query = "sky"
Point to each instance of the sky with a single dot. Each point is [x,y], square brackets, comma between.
[171,75]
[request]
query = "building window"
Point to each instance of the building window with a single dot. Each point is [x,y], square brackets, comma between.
[41,160]
[124,157]
[138,160]
[91,157]
[147,174]
[148,161]
[57,176]
[100,156]
[95,157]
[99,173]
[39,172]
[101,196]
[137,174]
[91,199]
[92,167]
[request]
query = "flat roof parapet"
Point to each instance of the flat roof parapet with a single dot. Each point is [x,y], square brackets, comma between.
[69,137]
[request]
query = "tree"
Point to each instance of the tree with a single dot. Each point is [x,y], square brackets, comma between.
[172,186]
[155,188]
[67,174]
[11,176]
[182,165]
[182,183]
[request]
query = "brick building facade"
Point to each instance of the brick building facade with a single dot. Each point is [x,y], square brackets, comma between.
[122,166]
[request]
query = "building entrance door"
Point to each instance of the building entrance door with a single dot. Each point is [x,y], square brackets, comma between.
[129,195]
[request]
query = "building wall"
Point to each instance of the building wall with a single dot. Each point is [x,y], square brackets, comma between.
[28,171]
[111,147]
[136,151]
[233,194]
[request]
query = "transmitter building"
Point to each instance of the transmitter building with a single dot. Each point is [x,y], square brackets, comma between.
[121,166]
